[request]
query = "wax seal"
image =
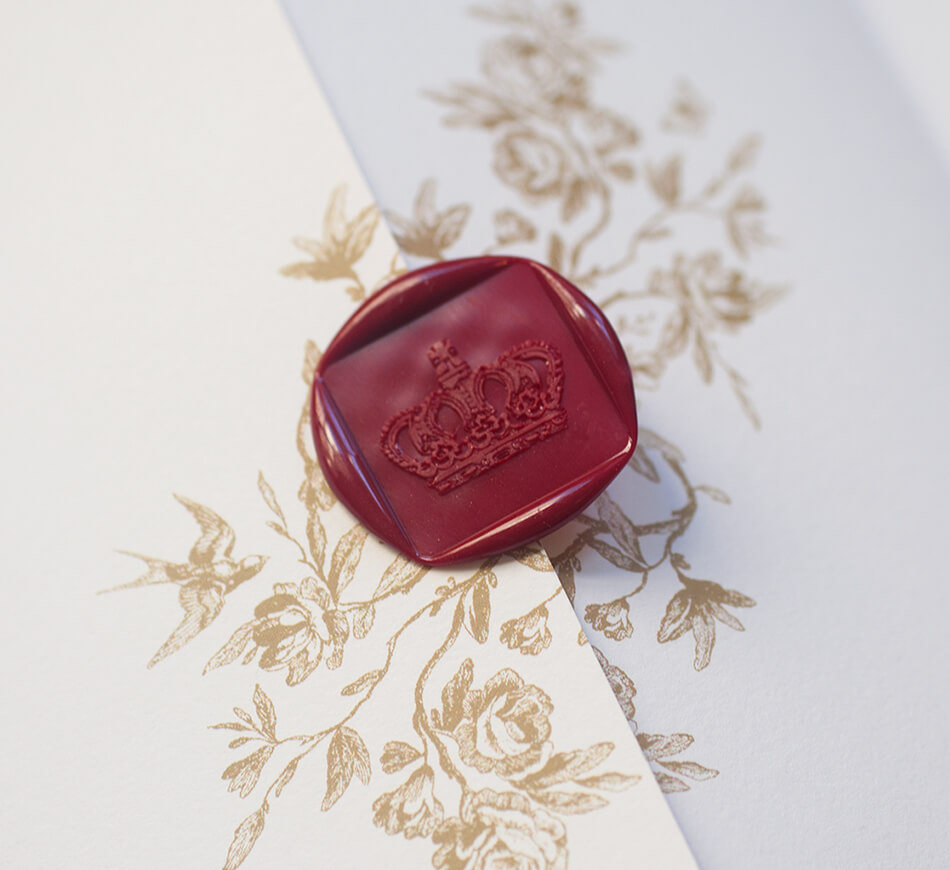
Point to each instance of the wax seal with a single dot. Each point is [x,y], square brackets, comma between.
[473,406]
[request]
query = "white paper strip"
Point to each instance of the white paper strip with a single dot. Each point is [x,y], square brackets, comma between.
[159,164]
[664,142]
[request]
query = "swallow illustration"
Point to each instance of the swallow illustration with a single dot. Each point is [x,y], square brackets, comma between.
[204,580]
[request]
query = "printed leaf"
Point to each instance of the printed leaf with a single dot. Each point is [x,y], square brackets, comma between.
[266,712]
[622,529]
[575,200]
[396,755]
[724,616]
[624,689]
[245,772]
[641,463]
[361,763]
[286,775]
[615,557]
[669,783]
[267,491]
[511,227]
[316,537]
[656,746]
[622,170]
[346,556]
[691,769]
[714,494]
[451,223]
[676,620]
[245,836]
[702,358]
[736,599]
[479,611]
[311,357]
[704,633]
[556,253]
[339,770]
[360,234]
[572,803]
[363,618]
[401,574]
[532,556]
[338,626]
[609,781]
[232,649]
[346,755]
[565,766]
[370,678]
[670,453]
[244,716]
[453,695]
[744,154]
[664,179]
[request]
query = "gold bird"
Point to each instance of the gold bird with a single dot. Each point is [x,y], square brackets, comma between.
[204,580]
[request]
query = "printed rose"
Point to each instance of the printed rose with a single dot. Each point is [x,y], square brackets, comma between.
[529,634]
[411,809]
[684,307]
[612,618]
[504,725]
[713,296]
[531,164]
[525,70]
[500,831]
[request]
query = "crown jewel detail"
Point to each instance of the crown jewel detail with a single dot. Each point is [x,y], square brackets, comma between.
[477,420]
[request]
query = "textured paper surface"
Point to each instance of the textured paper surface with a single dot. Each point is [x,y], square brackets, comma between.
[747,193]
[183,227]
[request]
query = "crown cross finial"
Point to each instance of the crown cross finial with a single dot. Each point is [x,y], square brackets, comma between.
[449,367]
[457,434]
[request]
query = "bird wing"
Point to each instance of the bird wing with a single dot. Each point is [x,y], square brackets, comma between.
[202,604]
[159,571]
[217,537]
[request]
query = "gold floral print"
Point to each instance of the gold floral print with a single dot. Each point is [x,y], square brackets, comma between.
[429,231]
[612,618]
[529,634]
[697,607]
[642,549]
[501,830]
[688,112]
[412,810]
[343,244]
[551,142]
[659,747]
[511,227]
[203,582]
[502,727]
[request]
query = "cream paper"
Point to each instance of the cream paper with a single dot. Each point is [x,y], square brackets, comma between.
[744,190]
[183,227]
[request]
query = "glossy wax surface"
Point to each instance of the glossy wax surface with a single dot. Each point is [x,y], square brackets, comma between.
[471,407]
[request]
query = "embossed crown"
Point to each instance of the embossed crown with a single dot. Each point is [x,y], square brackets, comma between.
[477,420]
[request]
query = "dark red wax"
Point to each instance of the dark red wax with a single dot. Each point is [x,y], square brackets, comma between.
[533,455]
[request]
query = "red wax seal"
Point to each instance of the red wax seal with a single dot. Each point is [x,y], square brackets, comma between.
[471,407]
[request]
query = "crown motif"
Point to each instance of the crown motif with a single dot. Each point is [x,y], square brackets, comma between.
[477,420]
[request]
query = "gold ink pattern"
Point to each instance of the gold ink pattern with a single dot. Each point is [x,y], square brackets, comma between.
[499,724]
[552,143]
